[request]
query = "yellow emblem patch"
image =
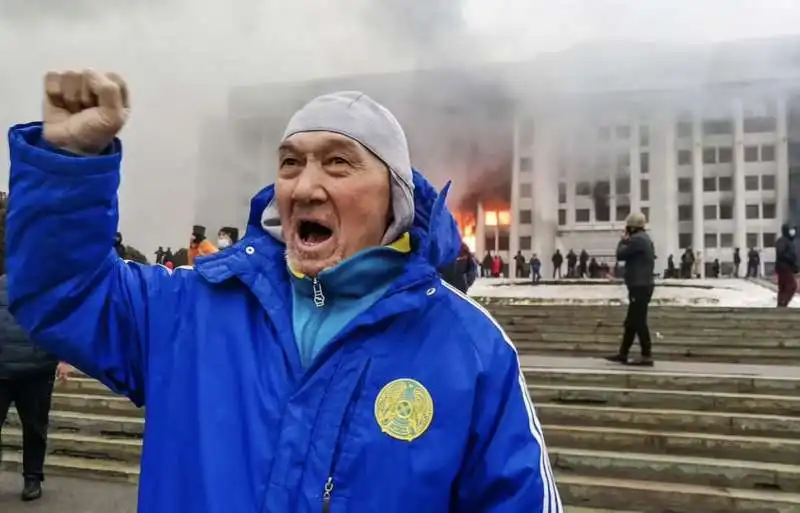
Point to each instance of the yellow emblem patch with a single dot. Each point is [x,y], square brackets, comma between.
[404,409]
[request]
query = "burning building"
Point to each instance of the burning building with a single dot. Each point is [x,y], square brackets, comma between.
[555,153]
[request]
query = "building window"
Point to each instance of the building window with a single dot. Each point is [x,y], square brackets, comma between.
[725,155]
[710,240]
[525,217]
[644,162]
[623,132]
[767,153]
[602,189]
[709,212]
[623,185]
[684,185]
[752,240]
[725,183]
[769,241]
[644,135]
[623,162]
[685,240]
[751,211]
[646,213]
[525,243]
[583,189]
[751,183]
[717,127]
[768,210]
[759,125]
[582,215]
[726,240]
[684,129]
[488,242]
[562,217]
[684,157]
[526,165]
[562,192]
[602,213]
[709,184]
[604,133]
[751,153]
[644,190]
[684,213]
[726,210]
[503,242]
[709,155]
[768,182]
[525,190]
[622,212]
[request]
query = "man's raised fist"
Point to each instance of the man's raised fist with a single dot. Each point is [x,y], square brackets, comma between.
[84,111]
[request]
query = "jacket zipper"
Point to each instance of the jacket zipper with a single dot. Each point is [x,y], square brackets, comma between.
[327,490]
[319,297]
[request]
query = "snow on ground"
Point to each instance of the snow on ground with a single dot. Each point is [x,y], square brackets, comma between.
[722,292]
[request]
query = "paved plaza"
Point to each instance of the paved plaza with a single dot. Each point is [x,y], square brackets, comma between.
[66,495]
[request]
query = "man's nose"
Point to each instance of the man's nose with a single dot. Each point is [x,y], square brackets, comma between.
[309,188]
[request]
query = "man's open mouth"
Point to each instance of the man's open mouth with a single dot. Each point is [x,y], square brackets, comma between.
[312,233]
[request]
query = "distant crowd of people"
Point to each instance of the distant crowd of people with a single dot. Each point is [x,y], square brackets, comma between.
[578,266]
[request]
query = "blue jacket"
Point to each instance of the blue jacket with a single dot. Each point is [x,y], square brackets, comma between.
[418,405]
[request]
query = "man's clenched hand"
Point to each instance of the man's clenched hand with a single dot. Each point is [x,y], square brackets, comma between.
[84,111]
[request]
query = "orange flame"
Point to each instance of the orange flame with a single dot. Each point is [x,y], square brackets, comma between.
[466,226]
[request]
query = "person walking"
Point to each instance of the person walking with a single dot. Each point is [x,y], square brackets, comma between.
[27,374]
[737,261]
[786,265]
[636,249]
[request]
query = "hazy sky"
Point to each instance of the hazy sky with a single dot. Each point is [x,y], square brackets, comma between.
[181,56]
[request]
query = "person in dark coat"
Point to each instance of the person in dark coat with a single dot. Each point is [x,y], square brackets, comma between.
[786,265]
[583,262]
[594,269]
[687,263]
[715,268]
[118,246]
[519,260]
[636,249]
[753,263]
[27,374]
[737,261]
[671,273]
[461,274]
[486,265]
[572,263]
[558,261]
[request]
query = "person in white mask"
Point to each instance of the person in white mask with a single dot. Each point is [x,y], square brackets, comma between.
[227,236]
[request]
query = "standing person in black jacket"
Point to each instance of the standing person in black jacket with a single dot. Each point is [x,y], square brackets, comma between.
[786,265]
[26,380]
[637,251]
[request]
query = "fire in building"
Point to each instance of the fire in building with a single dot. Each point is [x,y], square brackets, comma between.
[555,153]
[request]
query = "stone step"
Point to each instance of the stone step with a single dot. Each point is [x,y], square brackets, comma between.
[581,316]
[517,306]
[629,377]
[82,446]
[738,424]
[76,467]
[653,497]
[730,341]
[694,352]
[82,385]
[764,449]
[724,473]
[90,424]
[94,403]
[666,399]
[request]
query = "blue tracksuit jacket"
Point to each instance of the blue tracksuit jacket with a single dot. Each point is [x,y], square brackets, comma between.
[418,405]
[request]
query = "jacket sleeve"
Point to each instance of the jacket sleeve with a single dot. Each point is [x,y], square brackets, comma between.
[67,286]
[506,469]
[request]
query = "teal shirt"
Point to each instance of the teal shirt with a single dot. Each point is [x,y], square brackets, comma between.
[347,290]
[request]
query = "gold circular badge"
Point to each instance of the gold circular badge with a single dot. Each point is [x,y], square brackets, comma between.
[404,409]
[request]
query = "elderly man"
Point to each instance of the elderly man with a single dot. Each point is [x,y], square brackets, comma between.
[345,376]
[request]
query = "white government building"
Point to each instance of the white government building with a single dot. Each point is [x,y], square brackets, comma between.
[554,153]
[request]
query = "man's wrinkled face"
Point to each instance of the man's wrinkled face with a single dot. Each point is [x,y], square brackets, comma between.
[333,199]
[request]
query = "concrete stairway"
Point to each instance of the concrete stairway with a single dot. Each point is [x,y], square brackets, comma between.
[737,335]
[676,439]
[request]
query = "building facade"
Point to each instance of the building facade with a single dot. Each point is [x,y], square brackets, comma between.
[705,141]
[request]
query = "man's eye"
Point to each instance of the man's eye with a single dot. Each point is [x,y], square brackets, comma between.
[338,161]
[289,161]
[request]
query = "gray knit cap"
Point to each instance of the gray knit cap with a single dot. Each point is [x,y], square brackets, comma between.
[359,117]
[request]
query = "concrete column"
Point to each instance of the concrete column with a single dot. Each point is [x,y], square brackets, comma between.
[698,233]
[739,217]
[545,192]
[782,160]
[480,232]
[663,221]
[635,169]
[514,231]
